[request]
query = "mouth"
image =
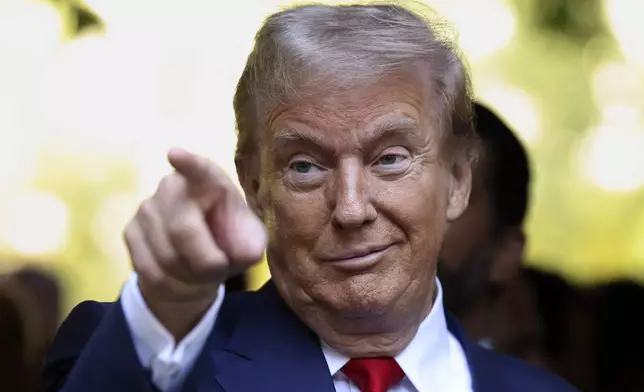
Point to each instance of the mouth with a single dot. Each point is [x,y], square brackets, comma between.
[357,260]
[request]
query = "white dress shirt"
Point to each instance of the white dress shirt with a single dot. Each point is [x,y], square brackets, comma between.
[433,361]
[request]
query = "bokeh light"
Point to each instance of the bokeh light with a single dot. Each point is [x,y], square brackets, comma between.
[624,17]
[34,223]
[30,32]
[467,15]
[638,246]
[29,27]
[115,212]
[613,159]
[516,107]
[618,83]
[161,74]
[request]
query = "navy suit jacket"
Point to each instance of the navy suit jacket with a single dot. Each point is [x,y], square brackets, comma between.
[256,345]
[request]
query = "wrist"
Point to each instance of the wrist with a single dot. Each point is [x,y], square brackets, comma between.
[179,317]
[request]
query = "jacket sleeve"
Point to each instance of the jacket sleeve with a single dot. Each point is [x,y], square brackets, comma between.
[169,362]
[122,346]
[93,351]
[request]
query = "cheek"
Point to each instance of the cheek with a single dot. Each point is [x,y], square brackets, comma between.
[417,204]
[415,207]
[299,218]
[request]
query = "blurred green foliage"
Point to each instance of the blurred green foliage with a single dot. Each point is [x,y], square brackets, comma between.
[578,20]
[84,183]
[576,229]
[78,17]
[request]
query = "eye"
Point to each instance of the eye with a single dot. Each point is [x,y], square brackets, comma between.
[302,173]
[390,159]
[392,162]
[302,167]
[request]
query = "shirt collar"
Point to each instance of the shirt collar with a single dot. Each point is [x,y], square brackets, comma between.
[427,357]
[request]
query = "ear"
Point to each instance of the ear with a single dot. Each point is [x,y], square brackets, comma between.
[248,174]
[460,186]
[508,255]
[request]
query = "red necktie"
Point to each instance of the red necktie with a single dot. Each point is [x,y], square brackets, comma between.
[373,374]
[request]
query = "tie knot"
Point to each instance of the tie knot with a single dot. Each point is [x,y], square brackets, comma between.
[373,374]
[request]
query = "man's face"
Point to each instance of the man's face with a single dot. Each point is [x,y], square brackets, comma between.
[356,198]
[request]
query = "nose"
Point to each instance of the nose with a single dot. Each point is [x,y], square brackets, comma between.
[353,205]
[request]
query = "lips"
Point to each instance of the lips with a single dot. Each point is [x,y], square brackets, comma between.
[356,253]
[357,260]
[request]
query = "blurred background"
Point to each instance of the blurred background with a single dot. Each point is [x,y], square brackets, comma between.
[93,93]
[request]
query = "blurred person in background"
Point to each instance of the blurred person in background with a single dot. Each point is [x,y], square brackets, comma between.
[483,249]
[45,287]
[19,331]
[620,337]
[533,315]
[355,146]
[29,311]
[546,321]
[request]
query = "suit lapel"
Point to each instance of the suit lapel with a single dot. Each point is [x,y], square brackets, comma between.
[260,345]
[484,378]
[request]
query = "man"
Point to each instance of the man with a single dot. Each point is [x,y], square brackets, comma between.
[354,154]
[483,249]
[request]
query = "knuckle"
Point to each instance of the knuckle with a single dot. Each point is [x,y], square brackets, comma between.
[182,228]
[166,183]
[209,270]
[206,260]
[166,255]
[132,237]
[128,234]
[170,184]
[147,208]
[210,263]
[246,256]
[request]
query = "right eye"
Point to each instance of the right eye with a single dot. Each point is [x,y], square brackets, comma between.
[302,167]
[302,172]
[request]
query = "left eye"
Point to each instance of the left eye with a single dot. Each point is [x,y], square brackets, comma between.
[390,159]
[302,167]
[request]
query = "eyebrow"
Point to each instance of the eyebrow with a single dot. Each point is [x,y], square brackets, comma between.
[290,135]
[399,126]
[390,128]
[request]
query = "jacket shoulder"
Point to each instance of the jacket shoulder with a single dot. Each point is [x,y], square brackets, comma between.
[496,368]
[78,328]
[237,304]
[71,338]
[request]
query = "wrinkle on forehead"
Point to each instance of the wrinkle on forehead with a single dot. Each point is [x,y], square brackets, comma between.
[346,101]
[392,126]
[353,116]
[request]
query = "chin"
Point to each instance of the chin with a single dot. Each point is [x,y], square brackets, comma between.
[361,296]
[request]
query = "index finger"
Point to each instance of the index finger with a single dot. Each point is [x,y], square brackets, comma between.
[200,173]
[206,182]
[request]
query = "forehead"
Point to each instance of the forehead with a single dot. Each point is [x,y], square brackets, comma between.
[398,103]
